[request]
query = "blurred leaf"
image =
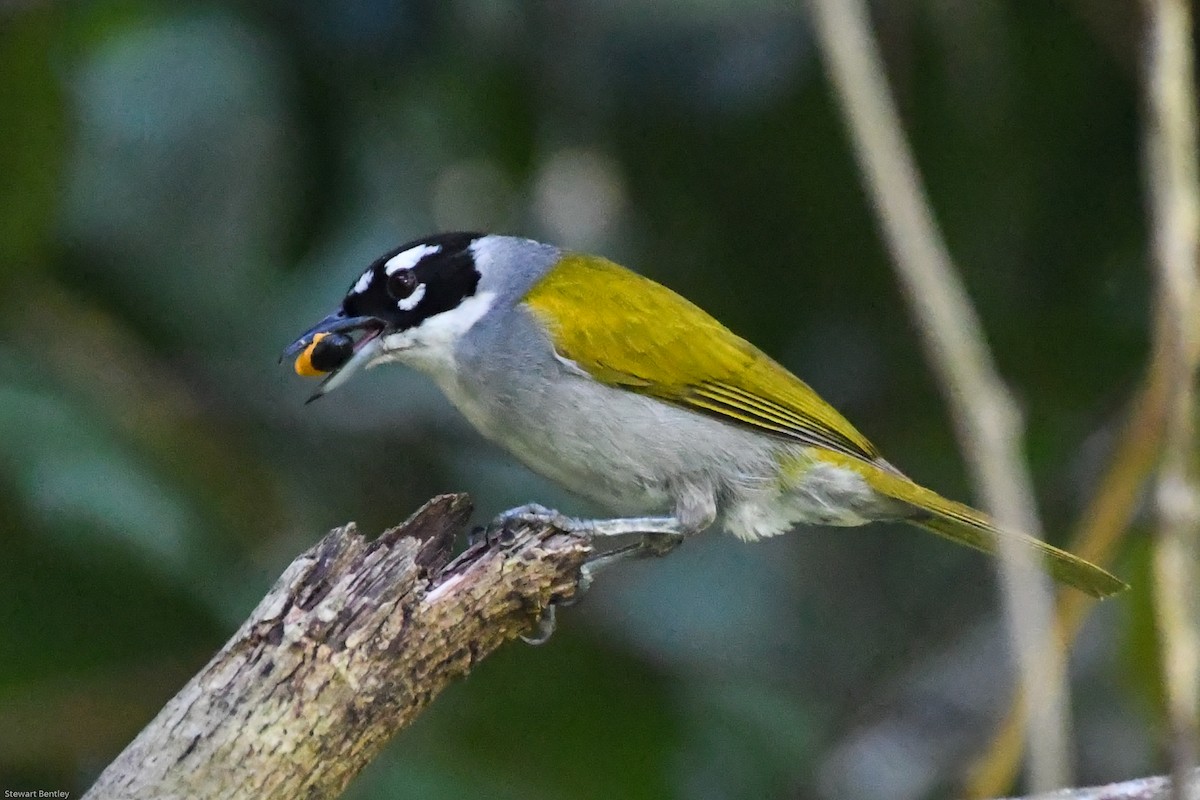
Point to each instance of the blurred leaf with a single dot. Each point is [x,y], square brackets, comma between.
[33,123]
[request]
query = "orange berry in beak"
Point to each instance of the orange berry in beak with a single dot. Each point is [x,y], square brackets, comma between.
[325,353]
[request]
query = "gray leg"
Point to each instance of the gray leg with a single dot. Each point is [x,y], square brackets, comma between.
[534,514]
[652,544]
[653,535]
[645,536]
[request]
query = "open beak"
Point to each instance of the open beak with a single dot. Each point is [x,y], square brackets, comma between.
[366,332]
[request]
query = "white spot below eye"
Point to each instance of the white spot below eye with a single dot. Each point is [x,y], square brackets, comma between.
[430,345]
[409,258]
[363,282]
[410,302]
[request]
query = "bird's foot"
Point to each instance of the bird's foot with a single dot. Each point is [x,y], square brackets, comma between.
[644,536]
[543,629]
[532,515]
[655,544]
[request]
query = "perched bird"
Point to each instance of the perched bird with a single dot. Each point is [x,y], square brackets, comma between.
[628,394]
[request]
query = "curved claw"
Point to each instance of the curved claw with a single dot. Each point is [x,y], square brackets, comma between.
[652,536]
[544,628]
[659,544]
[476,535]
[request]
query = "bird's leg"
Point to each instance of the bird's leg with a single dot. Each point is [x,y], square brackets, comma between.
[534,514]
[644,536]
[655,535]
[650,544]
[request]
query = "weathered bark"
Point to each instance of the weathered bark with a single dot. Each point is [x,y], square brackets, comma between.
[347,648]
[350,645]
[1156,788]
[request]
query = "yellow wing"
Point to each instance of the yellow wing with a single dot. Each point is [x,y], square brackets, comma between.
[628,331]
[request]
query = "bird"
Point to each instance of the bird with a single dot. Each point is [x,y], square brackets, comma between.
[624,392]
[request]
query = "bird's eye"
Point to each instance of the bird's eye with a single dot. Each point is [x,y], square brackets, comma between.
[401,283]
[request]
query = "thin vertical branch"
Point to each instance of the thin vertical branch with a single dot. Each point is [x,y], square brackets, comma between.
[1098,532]
[1174,204]
[986,419]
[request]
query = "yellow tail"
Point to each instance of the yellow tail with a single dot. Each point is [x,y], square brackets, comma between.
[965,525]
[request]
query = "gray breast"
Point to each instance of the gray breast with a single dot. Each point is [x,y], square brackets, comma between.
[630,453]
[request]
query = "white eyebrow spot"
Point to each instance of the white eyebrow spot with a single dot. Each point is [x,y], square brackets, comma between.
[363,282]
[409,258]
[410,302]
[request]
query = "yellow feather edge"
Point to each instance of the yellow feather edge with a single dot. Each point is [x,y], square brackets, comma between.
[626,330]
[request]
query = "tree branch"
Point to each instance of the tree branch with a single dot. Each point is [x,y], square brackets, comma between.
[1162,410]
[348,647]
[1100,528]
[1173,190]
[986,418]
[1156,788]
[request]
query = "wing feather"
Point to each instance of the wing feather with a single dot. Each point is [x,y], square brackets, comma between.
[626,330]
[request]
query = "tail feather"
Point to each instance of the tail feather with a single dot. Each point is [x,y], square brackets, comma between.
[965,525]
[1063,566]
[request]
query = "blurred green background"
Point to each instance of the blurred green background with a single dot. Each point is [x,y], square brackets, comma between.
[186,186]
